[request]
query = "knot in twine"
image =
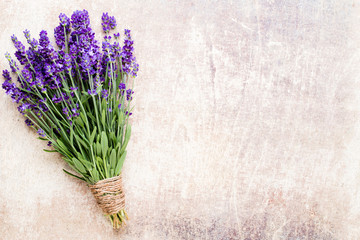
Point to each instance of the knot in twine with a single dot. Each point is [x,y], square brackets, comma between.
[109,194]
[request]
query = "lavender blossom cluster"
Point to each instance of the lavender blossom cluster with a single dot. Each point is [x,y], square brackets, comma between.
[54,77]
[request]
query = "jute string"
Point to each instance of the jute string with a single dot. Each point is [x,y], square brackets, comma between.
[109,194]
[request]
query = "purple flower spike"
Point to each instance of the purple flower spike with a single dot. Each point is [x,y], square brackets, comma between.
[129,92]
[108,22]
[20,53]
[64,20]
[22,108]
[92,91]
[67,62]
[122,86]
[105,93]
[28,122]
[8,86]
[12,63]
[80,19]
[56,99]
[130,65]
[33,43]
[44,40]
[85,62]
[41,132]
[61,31]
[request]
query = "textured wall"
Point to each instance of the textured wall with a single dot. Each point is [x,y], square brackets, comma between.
[246,125]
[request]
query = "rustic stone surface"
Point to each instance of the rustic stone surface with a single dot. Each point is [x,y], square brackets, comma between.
[246,125]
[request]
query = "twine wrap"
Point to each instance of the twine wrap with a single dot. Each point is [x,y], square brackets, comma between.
[109,194]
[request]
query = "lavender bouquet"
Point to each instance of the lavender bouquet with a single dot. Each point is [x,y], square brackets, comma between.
[78,97]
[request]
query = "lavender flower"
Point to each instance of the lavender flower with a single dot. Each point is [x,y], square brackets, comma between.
[82,44]
[54,82]
[22,108]
[105,93]
[41,132]
[20,53]
[32,42]
[44,40]
[29,122]
[75,111]
[56,99]
[122,86]
[8,86]
[128,59]
[85,64]
[12,63]
[108,22]
[91,91]
[64,20]
[61,31]
[80,19]
[129,92]
[67,62]
[43,107]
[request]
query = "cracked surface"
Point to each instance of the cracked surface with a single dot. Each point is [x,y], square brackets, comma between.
[246,125]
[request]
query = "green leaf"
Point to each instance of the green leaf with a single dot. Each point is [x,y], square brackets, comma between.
[78,155]
[98,90]
[71,136]
[112,137]
[98,149]
[91,116]
[82,142]
[118,146]
[119,164]
[113,159]
[104,144]
[79,121]
[103,116]
[79,165]
[121,117]
[95,174]
[103,104]
[84,98]
[61,145]
[127,138]
[99,160]
[83,117]
[113,121]
[87,164]
[92,136]
[44,139]
[73,175]
[50,151]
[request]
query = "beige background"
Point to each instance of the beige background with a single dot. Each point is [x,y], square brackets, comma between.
[246,125]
